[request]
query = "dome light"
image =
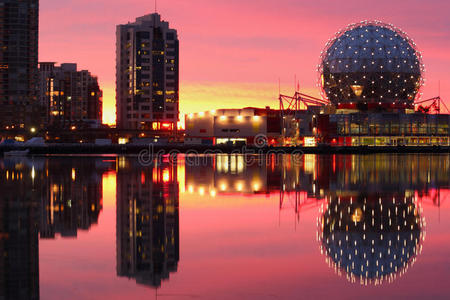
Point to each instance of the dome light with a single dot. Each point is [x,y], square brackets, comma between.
[392,46]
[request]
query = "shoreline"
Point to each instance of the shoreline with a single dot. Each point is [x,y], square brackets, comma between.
[89,149]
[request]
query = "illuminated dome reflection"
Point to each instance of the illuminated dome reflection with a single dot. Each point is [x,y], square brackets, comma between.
[371,240]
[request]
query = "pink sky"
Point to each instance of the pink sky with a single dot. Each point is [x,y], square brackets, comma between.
[233,51]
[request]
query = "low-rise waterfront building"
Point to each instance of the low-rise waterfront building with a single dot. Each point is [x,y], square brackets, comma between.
[232,126]
[384,129]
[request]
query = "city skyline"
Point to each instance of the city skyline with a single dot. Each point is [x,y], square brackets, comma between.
[224,149]
[233,60]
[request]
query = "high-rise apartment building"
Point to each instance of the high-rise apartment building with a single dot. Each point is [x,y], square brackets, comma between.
[19,21]
[71,97]
[147,80]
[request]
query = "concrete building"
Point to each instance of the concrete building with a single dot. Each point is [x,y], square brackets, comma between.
[147,81]
[19,21]
[71,98]
[225,126]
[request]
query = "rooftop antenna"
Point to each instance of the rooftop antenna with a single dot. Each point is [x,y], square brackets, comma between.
[156,6]
[279,86]
[295,82]
[439,88]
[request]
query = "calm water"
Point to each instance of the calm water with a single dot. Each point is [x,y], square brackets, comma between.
[374,226]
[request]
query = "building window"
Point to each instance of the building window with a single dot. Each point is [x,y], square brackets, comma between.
[143,34]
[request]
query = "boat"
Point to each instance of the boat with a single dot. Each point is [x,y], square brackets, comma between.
[17,153]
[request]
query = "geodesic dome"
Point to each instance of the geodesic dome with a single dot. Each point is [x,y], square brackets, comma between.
[371,62]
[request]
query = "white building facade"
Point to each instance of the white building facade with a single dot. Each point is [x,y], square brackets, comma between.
[225,126]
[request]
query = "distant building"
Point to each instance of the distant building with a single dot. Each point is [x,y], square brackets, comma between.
[372,73]
[19,21]
[71,97]
[384,129]
[147,80]
[234,126]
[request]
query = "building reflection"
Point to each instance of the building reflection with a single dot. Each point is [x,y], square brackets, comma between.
[310,178]
[231,174]
[371,238]
[19,225]
[73,198]
[370,227]
[40,198]
[147,221]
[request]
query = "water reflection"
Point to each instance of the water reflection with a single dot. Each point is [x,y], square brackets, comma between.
[371,238]
[41,198]
[233,174]
[73,196]
[19,253]
[371,227]
[147,222]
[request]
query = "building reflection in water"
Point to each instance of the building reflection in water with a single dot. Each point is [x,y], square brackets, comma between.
[147,221]
[42,197]
[371,227]
[238,174]
[371,238]
[19,221]
[73,198]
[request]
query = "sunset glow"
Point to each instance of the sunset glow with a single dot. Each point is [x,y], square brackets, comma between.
[232,53]
[224,149]
[109,189]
